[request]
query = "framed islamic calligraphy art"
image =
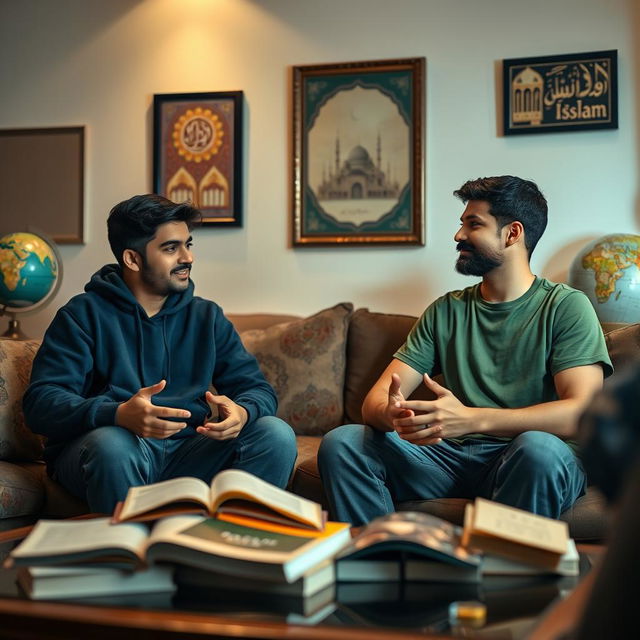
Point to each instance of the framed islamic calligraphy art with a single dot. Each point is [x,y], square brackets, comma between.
[197,153]
[570,92]
[358,153]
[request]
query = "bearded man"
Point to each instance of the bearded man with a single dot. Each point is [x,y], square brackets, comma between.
[520,358]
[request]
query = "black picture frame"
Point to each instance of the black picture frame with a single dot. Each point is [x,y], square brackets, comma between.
[569,92]
[375,110]
[197,152]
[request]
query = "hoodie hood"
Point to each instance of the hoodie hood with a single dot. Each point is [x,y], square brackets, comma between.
[109,283]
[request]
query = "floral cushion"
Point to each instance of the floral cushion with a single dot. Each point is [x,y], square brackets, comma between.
[21,492]
[17,442]
[304,360]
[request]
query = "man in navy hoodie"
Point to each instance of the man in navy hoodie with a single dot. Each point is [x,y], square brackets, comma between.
[120,385]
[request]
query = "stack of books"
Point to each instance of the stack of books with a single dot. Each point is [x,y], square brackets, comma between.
[495,540]
[244,532]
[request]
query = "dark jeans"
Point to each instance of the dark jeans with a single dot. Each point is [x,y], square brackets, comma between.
[101,465]
[365,471]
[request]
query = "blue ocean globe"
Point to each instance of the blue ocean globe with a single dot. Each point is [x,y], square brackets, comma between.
[608,271]
[30,272]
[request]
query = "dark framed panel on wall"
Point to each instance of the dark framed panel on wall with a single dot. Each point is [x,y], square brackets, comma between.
[42,182]
[569,92]
[358,153]
[197,152]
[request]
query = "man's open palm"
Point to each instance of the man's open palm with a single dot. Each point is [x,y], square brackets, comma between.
[147,420]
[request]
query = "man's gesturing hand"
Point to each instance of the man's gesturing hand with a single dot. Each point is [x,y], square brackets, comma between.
[233,418]
[393,412]
[145,419]
[445,417]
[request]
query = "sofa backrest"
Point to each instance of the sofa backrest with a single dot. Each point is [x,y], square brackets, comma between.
[374,337]
[323,385]
[372,340]
[17,442]
[624,348]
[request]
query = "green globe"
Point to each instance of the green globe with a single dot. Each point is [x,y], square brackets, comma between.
[29,271]
[608,271]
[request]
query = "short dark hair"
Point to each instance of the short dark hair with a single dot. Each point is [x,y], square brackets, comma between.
[134,222]
[510,199]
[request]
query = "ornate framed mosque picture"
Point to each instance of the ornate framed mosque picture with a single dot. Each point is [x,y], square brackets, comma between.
[197,153]
[569,92]
[358,153]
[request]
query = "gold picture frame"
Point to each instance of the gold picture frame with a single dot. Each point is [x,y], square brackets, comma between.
[358,160]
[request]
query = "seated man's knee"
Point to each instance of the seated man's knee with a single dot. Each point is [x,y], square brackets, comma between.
[341,442]
[113,447]
[281,439]
[542,451]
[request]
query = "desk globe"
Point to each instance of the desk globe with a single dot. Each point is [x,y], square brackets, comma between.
[30,275]
[608,271]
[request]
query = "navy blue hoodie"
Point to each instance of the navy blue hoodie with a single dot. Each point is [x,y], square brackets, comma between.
[102,348]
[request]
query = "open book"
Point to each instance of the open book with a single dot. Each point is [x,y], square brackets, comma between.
[515,534]
[408,545]
[232,491]
[206,543]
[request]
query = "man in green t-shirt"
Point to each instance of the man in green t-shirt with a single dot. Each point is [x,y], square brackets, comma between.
[520,357]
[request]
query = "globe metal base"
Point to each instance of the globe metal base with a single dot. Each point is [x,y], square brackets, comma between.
[14,332]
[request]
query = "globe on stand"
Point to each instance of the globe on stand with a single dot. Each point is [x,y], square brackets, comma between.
[607,270]
[30,276]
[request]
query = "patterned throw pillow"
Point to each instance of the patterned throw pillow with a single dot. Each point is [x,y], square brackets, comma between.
[304,360]
[17,442]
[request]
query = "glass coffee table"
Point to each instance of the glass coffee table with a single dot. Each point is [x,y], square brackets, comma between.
[366,611]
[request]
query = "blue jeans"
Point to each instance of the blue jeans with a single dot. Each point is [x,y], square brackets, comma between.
[365,471]
[101,465]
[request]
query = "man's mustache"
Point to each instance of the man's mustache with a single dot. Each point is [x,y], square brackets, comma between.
[463,246]
[181,267]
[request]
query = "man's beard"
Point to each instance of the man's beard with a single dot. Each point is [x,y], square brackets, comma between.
[163,286]
[477,263]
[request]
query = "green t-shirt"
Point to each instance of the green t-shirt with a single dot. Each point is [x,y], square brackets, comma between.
[505,354]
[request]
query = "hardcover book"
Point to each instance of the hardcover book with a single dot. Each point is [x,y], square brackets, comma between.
[56,583]
[408,545]
[197,541]
[231,491]
[515,534]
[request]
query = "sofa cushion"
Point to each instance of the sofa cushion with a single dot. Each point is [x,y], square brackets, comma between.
[304,360]
[17,442]
[21,492]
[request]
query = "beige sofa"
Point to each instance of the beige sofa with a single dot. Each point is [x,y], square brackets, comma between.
[321,367]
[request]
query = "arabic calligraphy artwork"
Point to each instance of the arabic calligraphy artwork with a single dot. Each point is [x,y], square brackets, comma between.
[561,93]
[358,135]
[197,153]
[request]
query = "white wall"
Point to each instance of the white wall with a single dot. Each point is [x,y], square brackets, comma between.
[98,63]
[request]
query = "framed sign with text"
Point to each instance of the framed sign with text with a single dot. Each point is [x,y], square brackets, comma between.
[570,92]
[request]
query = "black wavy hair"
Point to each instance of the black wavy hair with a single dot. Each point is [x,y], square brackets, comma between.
[510,199]
[134,222]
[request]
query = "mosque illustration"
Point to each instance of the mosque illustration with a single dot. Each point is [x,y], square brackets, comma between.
[526,97]
[358,177]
